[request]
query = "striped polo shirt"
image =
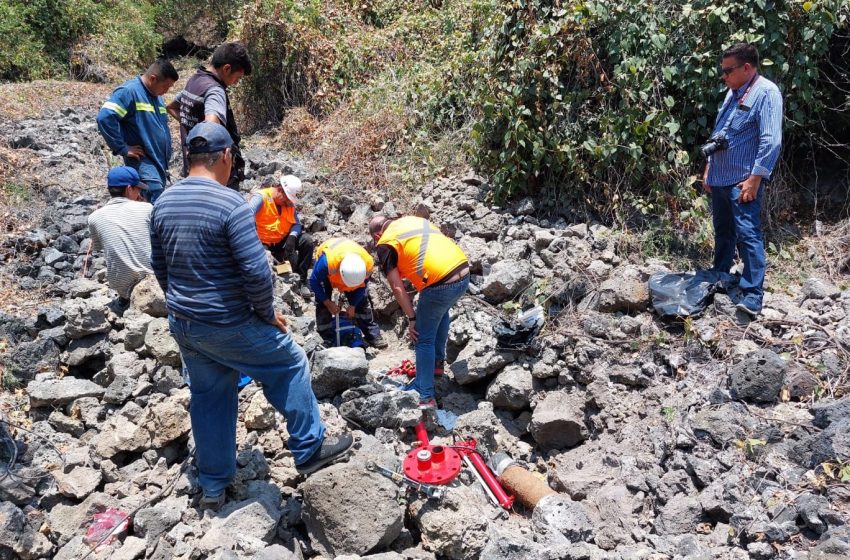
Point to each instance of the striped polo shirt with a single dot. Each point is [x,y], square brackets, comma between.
[121,229]
[207,257]
[754,131]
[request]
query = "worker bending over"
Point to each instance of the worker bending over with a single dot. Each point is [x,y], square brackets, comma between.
[279,226]
[414,249]
[344,265]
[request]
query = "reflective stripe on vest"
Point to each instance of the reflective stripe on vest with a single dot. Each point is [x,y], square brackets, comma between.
[335,250]
[272,226]
[142,106]
[116,108]
[425,255]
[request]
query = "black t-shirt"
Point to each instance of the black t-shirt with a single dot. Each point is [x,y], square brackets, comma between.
[387,258]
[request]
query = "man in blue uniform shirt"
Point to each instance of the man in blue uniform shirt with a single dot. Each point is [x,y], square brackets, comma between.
[134,123]
[742,153]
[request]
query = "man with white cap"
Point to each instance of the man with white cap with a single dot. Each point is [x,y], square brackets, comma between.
[279,226]
[345,265]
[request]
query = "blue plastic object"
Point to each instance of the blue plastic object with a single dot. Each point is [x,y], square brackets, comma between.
[244,380]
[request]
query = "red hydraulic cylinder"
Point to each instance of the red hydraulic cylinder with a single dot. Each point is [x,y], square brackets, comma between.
[490,479]
[422,433]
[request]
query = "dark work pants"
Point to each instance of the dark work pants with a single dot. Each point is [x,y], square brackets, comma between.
[364,318]
[303,257]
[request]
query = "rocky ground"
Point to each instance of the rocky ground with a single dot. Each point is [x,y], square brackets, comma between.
[716,438]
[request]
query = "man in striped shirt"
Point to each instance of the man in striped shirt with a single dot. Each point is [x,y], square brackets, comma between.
[750,121]
[121,230]
[218,288]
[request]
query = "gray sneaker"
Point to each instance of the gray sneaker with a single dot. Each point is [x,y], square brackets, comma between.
[212,503]
[333,447]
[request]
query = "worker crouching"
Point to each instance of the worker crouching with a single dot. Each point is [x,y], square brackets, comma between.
[279,226]
[413,248]
[344,265]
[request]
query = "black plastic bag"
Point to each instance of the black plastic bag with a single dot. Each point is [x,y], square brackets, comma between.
[516,334]
[687,293]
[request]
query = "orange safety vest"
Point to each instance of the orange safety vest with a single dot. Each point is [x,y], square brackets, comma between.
[425,256]
[335,250]
[272,226]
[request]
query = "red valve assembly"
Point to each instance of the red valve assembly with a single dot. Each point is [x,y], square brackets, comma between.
[439,464]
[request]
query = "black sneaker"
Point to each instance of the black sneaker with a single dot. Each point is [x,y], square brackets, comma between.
[332,448]
[378,342]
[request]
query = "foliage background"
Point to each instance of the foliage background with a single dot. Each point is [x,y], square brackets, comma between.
[597,107]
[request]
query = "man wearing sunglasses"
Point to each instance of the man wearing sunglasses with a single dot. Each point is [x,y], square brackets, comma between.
[749,129]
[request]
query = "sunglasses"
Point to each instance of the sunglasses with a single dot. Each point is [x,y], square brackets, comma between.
[729,70]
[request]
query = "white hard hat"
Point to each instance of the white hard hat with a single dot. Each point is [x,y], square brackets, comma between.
[353,270]
[291,186]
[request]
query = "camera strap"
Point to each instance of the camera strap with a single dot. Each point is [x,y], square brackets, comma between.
[739,104]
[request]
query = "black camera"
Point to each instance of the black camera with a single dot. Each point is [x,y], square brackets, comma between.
[717,142]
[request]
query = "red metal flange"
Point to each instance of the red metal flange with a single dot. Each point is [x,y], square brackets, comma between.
[432,464]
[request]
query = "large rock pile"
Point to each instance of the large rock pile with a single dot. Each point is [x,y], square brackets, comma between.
[706,445]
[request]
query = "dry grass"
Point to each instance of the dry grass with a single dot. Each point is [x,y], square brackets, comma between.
[32,100]
[354,149]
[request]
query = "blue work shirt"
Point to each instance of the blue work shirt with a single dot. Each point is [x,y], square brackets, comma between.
[754,133]
[131,116]
[207,257]
[319,280]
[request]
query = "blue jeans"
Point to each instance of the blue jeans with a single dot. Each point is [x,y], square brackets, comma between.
[149,176]
[432,323]
[739,224]
[213,357]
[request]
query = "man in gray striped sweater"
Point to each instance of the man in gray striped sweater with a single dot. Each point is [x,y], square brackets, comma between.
[218,285]
[121,229]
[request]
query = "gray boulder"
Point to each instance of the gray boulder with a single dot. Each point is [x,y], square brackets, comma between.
[160,344]
[78,483]
[558,421]
[338,369]
[370,406]
[151,522]
[18,536]
[504,544]
[147,298]
[832,444]
[512,388]
[815,288]
[559,519]
[678,516]
[54,392]
[455,528]
[623,294]
[87,316]
[334,514]
[135,328]
[253,519]
[476,362]
[29,358]
[260,413]
[827,412]
[506,280]
[758,378]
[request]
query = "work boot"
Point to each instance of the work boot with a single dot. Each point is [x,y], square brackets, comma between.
[333,447]
[211,503]
[377,341]
[306,293]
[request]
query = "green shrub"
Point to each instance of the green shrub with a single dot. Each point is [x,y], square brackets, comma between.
[607,101]
[46,38]
[21,53]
